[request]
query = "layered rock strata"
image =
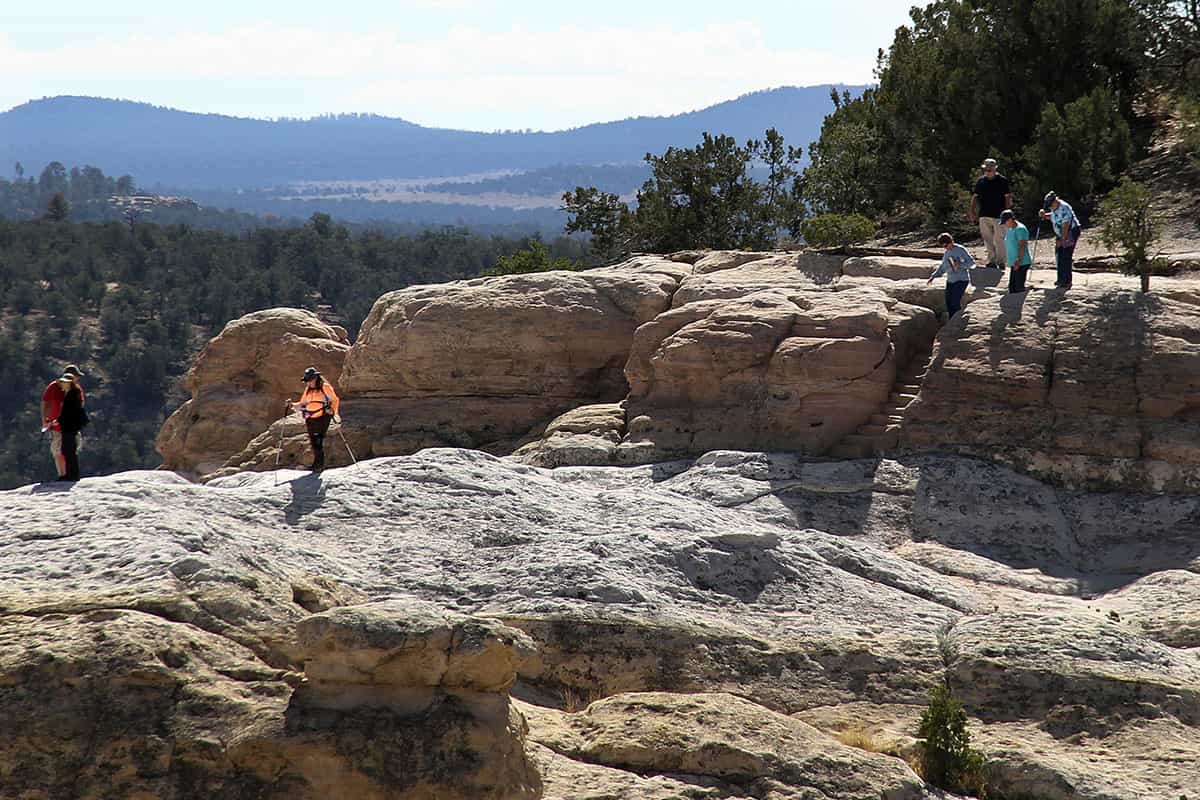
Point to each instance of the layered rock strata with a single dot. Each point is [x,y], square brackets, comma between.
[707,627]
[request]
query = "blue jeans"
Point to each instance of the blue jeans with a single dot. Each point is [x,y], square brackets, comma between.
[954,293]
[1063,257]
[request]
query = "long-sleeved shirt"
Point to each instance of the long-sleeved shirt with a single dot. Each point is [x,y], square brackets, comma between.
[956,256]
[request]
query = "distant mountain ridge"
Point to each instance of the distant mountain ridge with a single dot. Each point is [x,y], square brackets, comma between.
[185,149]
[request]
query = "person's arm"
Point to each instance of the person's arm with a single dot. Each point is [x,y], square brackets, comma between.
[941,270]
[1022,249]
[335,401]
[974,212]
[45,413]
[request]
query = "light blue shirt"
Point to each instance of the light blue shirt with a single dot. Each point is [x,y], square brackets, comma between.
[1063,214]
[1012,245]
[958,256]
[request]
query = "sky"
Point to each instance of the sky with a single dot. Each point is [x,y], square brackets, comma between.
[472,64]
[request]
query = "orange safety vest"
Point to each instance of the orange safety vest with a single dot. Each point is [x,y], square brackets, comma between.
[316,403]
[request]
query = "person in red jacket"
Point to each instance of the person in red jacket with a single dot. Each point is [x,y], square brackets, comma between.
[52,406]
[319,405]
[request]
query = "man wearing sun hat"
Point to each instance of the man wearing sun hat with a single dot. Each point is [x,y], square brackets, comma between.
[52,408]
[991,196]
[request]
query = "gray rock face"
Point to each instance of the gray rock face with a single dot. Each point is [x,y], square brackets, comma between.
[269,634]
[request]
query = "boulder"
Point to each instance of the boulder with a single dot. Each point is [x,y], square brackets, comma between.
[777,369]
[741,747]
[793,271]
[401,700]
[241,381]
[1092,387]
[890,267]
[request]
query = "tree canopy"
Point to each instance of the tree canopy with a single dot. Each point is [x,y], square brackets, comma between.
[1047,87]
[700,197]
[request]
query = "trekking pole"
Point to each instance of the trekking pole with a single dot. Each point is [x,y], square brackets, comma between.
[279,451]
[348,450]
[1036,235]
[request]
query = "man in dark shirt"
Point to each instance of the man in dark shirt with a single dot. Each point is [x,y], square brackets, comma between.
[991,196]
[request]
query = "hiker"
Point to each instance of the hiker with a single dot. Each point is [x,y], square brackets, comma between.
[991,196]
[71,419]
[956,266]
[1066,231]
[319,406]
[1016,250]
[52,403]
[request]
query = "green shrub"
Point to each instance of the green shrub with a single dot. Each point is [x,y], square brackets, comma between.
[536,258]
[1127,223]
[947,760]
[837,230]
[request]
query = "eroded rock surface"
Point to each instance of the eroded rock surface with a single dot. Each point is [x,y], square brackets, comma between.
[288,634]
[1093,387]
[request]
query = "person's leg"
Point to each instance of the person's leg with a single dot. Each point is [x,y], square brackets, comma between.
[60,464]
[987,232]
[954,295]
[1001,250]
[1065,266]
[70,455]
[1022,274]
[316,434]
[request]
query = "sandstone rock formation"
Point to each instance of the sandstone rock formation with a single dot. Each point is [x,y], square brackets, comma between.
[479,363]
[240,382]
[685,629]
[668,357]
[773,369]
[1094,387]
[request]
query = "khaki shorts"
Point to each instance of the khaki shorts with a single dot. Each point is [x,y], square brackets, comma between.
[56,443]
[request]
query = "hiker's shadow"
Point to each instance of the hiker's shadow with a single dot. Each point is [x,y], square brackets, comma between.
[308,494]
[1012,308]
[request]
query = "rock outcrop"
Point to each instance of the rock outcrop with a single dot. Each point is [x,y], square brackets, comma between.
[702,629]
[240,382]
[1095,387]
[670,357]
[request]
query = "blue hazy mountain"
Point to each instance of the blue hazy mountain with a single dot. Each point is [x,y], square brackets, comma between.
[183,149]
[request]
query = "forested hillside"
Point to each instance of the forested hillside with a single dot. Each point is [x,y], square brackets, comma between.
[131,305]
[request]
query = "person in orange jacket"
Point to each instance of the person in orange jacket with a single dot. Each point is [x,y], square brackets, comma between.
[319,405]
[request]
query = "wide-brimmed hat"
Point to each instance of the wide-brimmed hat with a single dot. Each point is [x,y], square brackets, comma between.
[73,370]
[1049,199]
[989,163]
[310,373]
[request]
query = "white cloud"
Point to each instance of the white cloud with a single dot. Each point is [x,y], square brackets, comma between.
[559,77]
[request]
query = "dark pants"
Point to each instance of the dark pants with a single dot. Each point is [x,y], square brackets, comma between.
[1016,278]
[70,452]
[1064,257]
[317,428]
[954,295]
